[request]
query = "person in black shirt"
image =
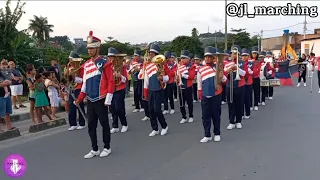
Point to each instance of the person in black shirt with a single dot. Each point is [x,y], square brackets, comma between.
[55,68]
[302,69]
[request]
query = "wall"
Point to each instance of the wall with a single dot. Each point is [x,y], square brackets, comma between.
[316,48]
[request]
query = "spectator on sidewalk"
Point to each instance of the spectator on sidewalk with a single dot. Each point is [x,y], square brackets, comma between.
[30,73]
[53,88]
[55,67]
[16,86]
[41,99]
[5,102]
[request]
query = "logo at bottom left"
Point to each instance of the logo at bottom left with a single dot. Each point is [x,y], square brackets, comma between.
[15,165]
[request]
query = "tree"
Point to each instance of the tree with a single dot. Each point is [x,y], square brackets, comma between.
[82,49]
[194,32]
[191,44]
[121,47]
[64,41]
[110,38]
[40,28]
[240,38]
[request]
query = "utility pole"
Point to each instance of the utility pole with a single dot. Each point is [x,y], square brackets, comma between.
[225,26]
[215,39]
[261,37]
[304,26]
[208,29]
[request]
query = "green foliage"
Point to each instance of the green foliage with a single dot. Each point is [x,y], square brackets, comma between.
[240,38]
[64,41]
[41,29]
[85,56]
[191,44]
[194,32]
[82,50]
[121,47]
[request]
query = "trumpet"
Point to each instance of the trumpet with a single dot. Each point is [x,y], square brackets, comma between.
[179,84]
[158,60]
[235,52]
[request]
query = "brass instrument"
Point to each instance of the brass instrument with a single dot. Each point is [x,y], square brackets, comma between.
[179,84]
[235,52]
[219,68]
[72,70]
[118,63]
[158,60]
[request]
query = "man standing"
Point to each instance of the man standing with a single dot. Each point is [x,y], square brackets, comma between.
[55,68]
[153,91]
[98,87]
[76,91]
[187,73]
[168,91]
[135,68]
[16,86]
[117,104]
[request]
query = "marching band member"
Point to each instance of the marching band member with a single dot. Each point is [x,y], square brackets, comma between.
[210,98]
[136,65]
[197,63]
[248,80]
[72,115]
[267,70]
[97,87]
[187,72]
[224,86]
[316,66]
[311,60]
[262,55]
[256,77]
[153,91]
[117,104]
[175,90]
[235,107]
[274,68]
[172,69]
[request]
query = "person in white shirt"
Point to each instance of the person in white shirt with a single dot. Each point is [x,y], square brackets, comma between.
[52,92]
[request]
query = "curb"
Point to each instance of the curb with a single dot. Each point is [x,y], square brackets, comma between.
[26,116]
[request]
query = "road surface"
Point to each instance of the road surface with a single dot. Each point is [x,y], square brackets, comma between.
[279,142]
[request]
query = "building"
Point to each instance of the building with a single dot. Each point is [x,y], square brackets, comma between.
[274,44]
[311,43]
[78,42]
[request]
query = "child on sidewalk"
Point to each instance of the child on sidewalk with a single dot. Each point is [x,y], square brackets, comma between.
[64,94]
[31,72]
[41,98]
[52,92]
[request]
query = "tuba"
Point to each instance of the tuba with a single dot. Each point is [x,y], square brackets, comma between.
[159,60]
[118,66]
[219,68]
[73,67]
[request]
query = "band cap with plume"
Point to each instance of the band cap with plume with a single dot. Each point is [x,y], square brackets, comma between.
[92,41]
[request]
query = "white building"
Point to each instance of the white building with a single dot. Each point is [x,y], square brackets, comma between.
[78,41]
[306,46]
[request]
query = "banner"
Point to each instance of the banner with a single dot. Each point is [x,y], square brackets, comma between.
[284,74]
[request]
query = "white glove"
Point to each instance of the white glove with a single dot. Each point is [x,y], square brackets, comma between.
[78,80]
[186,76]
[250,71]
[108,99]
[277,69]
[270,72]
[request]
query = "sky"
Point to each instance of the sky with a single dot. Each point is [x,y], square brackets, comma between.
[143,21]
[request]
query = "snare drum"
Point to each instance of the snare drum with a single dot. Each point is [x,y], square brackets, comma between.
[274,82]
[264,83]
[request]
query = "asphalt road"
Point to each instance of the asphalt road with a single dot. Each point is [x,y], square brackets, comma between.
[279,142]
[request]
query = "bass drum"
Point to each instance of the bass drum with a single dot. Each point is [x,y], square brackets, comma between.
[274,82]
[264,83]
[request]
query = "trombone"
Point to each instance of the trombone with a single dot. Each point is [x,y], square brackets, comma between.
[179,84]
[235,51]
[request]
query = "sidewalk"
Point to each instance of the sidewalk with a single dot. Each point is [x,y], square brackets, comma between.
[22,114]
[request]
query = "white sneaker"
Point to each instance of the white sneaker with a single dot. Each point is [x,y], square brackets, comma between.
[246,117]
[206,139]
[175,100]
[165,112]
[238,126]
[256,108]
[72,128]
[111,117]
[298,85]
[153,133]
[164,131]
[136,110]
[231,126]
[259,104]
[105,152]
[270,98]
[217,138]
[114,130]
[92,154]
[251,109]
[171,111]
[145,118]
[190,120]
[141,110]
[223,102]
[124,129]
[263,103]
[194,101]
[80,127]
[242,117]
[319,91]
[183,121]
[305,84]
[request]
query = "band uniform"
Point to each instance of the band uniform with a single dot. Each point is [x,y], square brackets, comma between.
[187,72]
[269,69]
[235,108]
[135,68]
[169,90]
[153,91]
[256,76]
[197,64]
[210,98]
[72,115]
[98,88]
[118,110]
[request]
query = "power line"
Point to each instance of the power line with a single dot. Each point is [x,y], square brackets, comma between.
[281,28]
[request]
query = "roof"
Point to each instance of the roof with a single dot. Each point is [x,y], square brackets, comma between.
[308,39]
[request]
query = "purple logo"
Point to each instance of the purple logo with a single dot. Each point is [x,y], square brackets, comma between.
[15,165]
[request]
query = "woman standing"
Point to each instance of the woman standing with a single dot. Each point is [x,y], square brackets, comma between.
[302,70]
